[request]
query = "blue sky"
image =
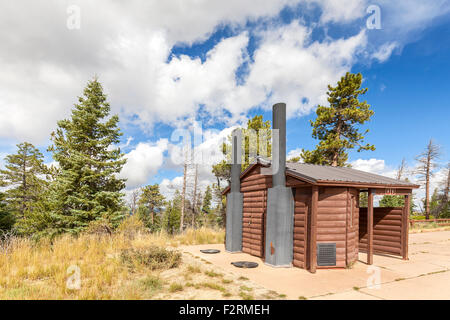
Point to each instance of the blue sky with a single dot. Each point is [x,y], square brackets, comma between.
[166,66]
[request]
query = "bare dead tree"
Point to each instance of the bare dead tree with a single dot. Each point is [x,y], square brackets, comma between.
[194,196]
[426,166]
[401,171]
[134,199]
[183,196]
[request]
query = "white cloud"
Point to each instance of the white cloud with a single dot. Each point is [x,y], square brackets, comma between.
[341,11]
[294,153]
[376,166]
[143,162]
[288,67]
[169,186]
[128,46]
[45,65]
[385,51]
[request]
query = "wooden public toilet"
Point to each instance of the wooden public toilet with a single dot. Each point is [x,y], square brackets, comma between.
[308,216]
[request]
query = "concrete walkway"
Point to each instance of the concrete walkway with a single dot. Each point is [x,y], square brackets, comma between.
[425,276]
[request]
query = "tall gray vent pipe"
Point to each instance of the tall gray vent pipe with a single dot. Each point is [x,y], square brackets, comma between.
[279,146]
[233,241]
[280,200]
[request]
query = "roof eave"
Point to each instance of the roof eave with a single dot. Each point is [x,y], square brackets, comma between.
[366,185]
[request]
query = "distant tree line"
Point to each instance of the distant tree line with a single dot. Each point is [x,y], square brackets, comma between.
[158,213]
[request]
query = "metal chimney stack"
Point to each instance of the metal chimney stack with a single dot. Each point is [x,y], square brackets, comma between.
[280,200]
[233,241]
[279,146]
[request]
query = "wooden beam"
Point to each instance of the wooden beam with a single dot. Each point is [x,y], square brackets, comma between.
[313,235]
[405,227]
[370,228]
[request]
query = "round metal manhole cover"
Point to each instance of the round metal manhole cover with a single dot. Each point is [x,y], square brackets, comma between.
[245,264]
[210,251]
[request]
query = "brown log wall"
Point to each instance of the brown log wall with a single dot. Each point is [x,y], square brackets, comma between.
[335,224]
[387,230]
[302,204]
[353,226]
[254,188]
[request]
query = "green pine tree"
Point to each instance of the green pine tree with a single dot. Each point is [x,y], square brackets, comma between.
[220,209]
[207,210]
[6,218]
[25,178]
[172,214]
[87,187]
[336,126]
[150,206]
[363,199]
[206,206]
[392,201]
[435,204]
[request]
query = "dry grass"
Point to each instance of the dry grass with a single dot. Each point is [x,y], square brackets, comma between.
[120,266]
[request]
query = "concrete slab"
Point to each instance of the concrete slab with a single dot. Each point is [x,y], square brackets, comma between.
[430,287]
[347,295]
[414,269]
[425,276]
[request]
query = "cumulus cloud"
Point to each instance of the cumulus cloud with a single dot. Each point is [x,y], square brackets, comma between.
[45,65]
[289,67]
[385,51]
[377,166]
[294,153]
[341,11]
[168,187]
[143,162]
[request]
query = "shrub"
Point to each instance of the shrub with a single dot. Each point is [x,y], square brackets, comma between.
[245,296]
[131,227]
[99,227]
[212,274]
[152,283]
[213,286]
[175,287]
[194,269]
[152,257]
[245,288]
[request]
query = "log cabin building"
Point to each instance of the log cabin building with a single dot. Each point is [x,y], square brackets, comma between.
[309,216]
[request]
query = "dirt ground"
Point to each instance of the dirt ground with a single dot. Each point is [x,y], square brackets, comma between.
[198,279]
[426,275]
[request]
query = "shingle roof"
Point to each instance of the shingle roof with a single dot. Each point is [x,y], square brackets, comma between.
[340,174]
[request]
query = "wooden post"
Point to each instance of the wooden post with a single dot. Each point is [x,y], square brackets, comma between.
[370,228]
[313,237]
[405,227]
